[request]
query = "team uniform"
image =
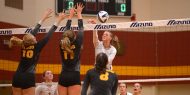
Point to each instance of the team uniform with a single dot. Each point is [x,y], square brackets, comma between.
[70,74]
[100,84]
[25,74]
[46,89]
[110,52]
[128,93]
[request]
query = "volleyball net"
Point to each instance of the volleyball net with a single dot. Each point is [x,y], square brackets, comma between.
[151,51]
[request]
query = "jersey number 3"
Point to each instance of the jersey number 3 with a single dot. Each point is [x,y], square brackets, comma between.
[28,53]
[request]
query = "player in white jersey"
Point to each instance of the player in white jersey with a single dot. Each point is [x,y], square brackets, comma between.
[123,89]
[48,87]
[137,89]
[106,45]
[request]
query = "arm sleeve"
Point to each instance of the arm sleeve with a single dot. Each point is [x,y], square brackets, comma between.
[114,89]
[80,32]
[80,25]
[36,29]
[68,25]
[38,90]
[44,41]
[85,84]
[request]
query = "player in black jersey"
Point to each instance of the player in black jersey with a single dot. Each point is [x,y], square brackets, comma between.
[70,47]
[23,82]
[101,81]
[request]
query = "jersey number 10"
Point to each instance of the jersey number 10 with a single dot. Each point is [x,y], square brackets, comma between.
[27,53]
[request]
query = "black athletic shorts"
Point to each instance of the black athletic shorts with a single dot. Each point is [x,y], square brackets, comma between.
[23,80]
[69,78]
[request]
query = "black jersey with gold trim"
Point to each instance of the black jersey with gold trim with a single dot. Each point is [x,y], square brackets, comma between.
[30,54]
[100,84]
[71,60]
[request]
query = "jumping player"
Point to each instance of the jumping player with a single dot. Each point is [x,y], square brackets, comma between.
[106,45]
[101,81]
[70,47]
[23,82]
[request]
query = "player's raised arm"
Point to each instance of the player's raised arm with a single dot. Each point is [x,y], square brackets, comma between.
[45,16]
[69,21]
[95,33]
[79,9]
[80,22]
[52,29]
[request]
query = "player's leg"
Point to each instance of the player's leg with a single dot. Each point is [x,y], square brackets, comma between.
[62,87]
[62,90]
[75,84]
[29,91]
[28,86]
[74,90]
[17,84]
[17,91]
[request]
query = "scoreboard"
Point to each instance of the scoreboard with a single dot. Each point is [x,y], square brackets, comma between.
[92,7]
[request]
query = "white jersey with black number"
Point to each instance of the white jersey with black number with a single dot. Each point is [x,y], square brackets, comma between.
[46,89]
[110,52]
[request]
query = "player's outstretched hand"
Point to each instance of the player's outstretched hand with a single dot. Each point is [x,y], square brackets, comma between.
[47,14]
[79,8]
[71,13]
[60,17]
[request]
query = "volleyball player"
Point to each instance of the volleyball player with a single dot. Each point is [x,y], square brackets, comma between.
[23,82]
[137,89]
[48,87]
[101,81]
[123,89]
[106,45]
[70,47]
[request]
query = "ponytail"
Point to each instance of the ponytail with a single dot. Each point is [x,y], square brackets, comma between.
[15,41]
[115,42]
[101,62]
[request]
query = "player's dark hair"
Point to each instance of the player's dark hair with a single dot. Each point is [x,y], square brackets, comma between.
[101,62]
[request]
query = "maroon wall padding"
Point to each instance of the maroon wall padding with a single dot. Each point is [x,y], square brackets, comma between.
[140,49]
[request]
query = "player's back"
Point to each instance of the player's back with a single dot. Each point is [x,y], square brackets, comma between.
[102,84]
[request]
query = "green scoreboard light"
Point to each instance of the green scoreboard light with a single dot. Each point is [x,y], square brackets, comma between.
[70,4]
[92,7]
[123,8]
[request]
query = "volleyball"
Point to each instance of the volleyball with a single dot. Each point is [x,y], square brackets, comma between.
[102,16]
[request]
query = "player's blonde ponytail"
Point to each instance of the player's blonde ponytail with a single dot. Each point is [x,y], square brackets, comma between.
[115,42]
[15,41]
